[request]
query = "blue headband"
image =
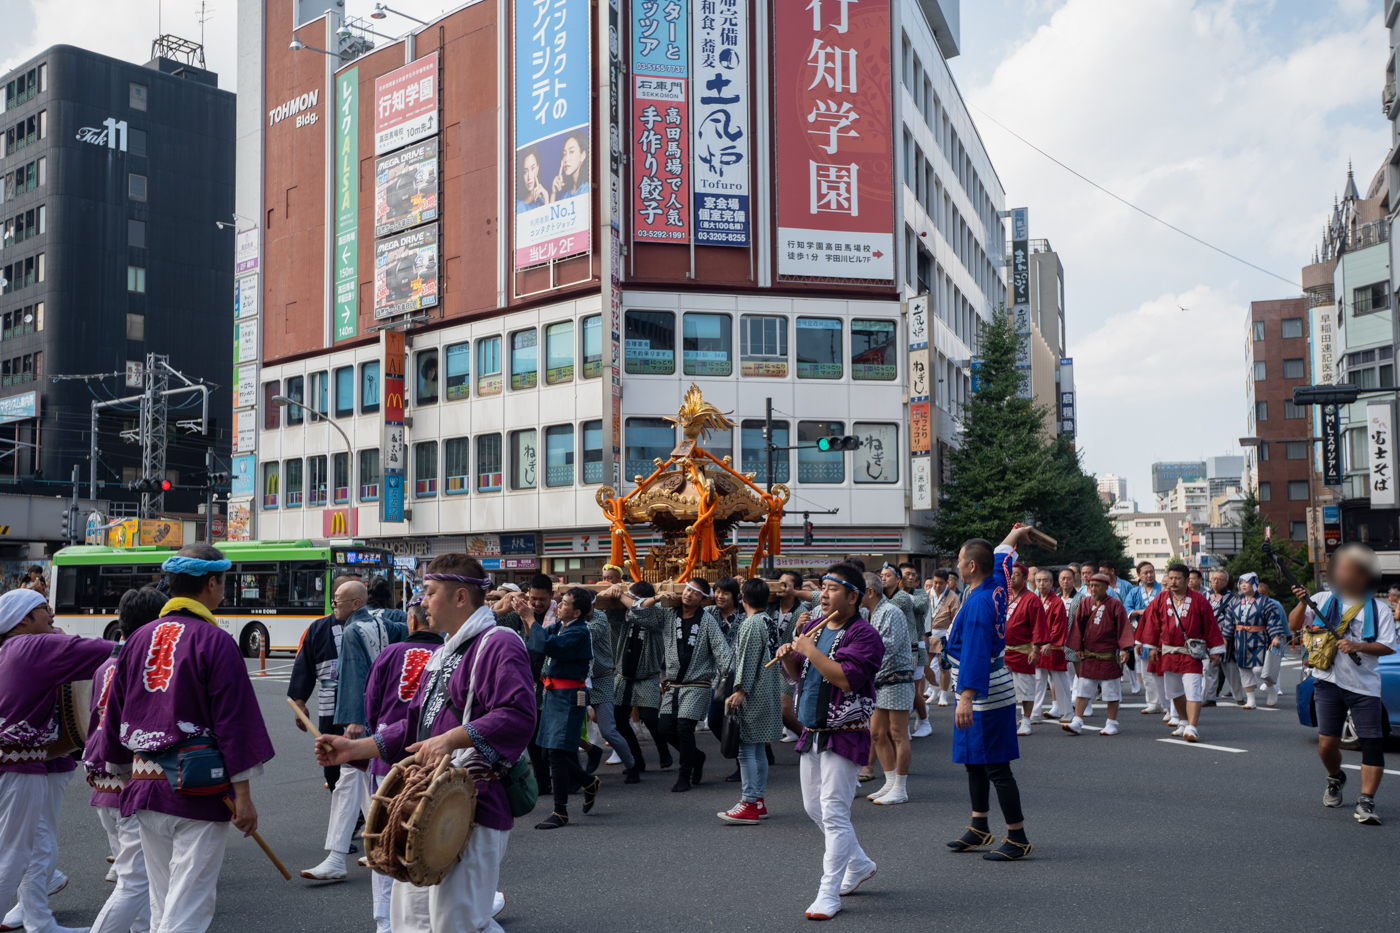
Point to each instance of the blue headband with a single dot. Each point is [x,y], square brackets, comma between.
[194,566]
[846,583]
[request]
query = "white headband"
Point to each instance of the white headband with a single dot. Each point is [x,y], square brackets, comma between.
[691,586]
[16,605]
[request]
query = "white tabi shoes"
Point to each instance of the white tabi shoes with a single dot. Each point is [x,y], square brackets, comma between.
[1249,700]
[1075,725]
[332,869]
[924,730]
[1109,728]
[854,879]
[498,904]
[1151,708]
[1272,695]
[1024,728]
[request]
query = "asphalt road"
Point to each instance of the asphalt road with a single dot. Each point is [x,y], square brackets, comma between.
[1131,833]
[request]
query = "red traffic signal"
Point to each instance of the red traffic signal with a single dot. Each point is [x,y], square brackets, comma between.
[164,485]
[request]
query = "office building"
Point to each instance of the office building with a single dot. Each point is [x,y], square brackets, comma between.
[1276,361]
[547,302]
[1112,488]
[1166,473]
[114,176]
[1224,473]
[1160,538]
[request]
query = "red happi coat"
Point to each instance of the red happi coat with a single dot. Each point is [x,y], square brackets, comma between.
[1056,631]
[1093,630]
[1160,627]
[1025,625]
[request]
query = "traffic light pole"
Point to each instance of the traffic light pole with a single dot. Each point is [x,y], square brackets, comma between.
[770,451]
[209,495]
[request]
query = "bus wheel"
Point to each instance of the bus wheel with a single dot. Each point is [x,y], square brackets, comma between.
[254,637]
[111,633]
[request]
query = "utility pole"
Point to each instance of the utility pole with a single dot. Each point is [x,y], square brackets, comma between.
[209,495]
[73,511]
[153,430]
[769,451]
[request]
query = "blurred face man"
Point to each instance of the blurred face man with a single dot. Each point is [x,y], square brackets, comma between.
[1018,579]
[1147,575]
[838,601]
[1067,584]
[911,578]
[1098,590]
[1176,582]
[890,579]
[1043,584]
[348,598]
[1220,581]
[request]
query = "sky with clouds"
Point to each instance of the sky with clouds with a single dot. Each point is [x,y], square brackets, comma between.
[1232,119]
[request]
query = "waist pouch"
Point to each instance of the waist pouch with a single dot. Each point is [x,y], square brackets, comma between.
[194,767]
[1321,646]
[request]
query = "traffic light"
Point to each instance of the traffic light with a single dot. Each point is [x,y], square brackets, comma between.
[150,484]
[67,524]
[837,443]
[807,533]
[1325,394]
[220,479]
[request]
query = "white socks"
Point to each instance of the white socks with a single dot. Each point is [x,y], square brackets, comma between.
[896,793]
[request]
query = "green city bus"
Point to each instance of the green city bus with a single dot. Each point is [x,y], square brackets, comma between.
[274,591]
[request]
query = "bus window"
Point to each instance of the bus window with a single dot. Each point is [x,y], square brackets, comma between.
[87,587]
[258,586]
[306,587]
[115,582]
[67,597]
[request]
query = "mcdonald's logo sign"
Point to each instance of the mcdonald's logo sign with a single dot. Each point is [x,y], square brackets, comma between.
[396,400]
[340,523]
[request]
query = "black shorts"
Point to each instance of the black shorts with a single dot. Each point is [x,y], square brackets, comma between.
[1332,703]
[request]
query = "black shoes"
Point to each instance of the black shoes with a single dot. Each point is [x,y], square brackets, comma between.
[590,794]
[633,774]
[595,758]
[681,786]
[699,769]
[554,821]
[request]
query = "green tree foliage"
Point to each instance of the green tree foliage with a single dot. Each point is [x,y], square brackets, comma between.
[1251,558]
[1004,469]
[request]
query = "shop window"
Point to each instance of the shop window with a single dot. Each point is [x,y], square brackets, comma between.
[294,481]
[873,350]
[707,345]
[649,344]
[272,414]
[818,348]
[876,460]
[559,455]
[426,378]
[524,459]
[345,392]
[425,469]
[271,484]
[648,439]
[488,366]
[456,466]
[295,413]
[559,353]
[136,280]
[813,465]
[317,485]
[754,455]
[592,452]
[459,359]
[593,346]
[340,478]
[369,475]
[136,96]
[136,186]
[489,474]
[135,326]
[524,359]
[369,387]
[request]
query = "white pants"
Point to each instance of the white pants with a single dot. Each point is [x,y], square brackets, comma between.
[1250,677]
[1233,681]
[348,800]
[1187,685]
[1064,689]
[1152,686]
[383,885]
[33,907]
[129,906]
[1025,686]
[183,858]
[829,785]
[1112,689]
[22,799]
[462,902]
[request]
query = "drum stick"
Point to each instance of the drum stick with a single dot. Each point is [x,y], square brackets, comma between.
[267,850]
[306,721]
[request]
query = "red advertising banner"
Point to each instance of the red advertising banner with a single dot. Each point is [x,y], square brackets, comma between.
[340,523]
[661,166]
[919,426]
[406,104]
[831,100]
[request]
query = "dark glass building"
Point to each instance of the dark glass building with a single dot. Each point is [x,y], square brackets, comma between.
[114,176]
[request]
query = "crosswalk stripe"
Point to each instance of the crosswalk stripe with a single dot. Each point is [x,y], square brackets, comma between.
[1358,768]
[1218,748]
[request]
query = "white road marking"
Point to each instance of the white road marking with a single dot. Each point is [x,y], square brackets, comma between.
[1218,748]
[1358,768]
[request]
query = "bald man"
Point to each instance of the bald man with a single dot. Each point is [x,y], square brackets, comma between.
[363,637]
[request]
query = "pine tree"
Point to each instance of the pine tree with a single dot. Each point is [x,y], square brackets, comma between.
[1252,559]
[1004,469]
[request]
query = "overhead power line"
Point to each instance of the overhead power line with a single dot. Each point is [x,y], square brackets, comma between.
[1151,216]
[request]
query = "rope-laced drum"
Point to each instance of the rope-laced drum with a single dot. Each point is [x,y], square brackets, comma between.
[419,821]
[74,712]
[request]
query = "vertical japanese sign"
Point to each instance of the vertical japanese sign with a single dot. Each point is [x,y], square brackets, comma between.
[1380,437]
[1324,359]
[832,120]
[406,104]
[553,205]
[1021,297]
[347,201]
[1331,445]
[392,457]
[720,51]
[921,427]
[660,121]
[613,396]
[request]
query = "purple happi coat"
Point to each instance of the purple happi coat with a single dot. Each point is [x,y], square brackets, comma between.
[101,688]
[31,669]
[859,651]
[502,715]
[392,682]
[179,677]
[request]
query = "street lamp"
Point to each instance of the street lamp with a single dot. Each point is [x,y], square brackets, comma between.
[281,401]
[297,45]
[380,11]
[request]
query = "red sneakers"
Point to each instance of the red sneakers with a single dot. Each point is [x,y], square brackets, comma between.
[743,813]
[762,810]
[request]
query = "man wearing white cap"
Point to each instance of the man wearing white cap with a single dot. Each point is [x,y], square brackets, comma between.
[34,661]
